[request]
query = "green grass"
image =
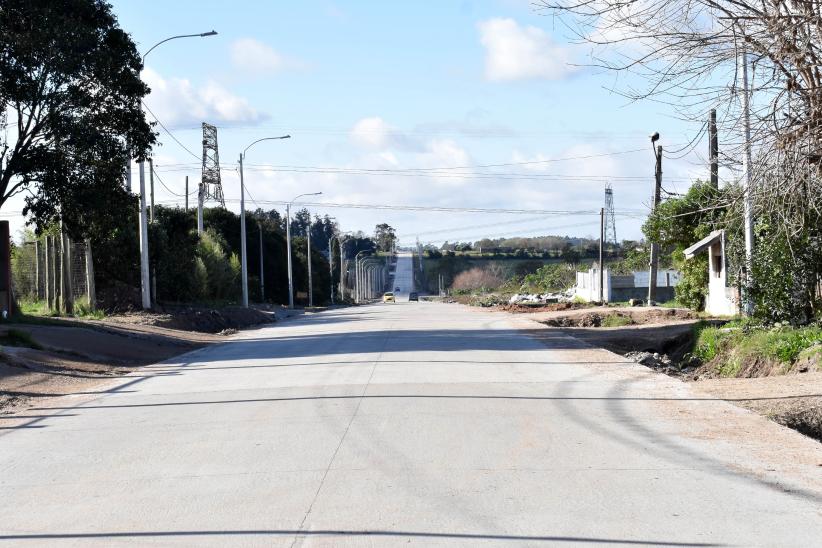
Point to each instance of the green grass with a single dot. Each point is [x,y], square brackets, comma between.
[740,340]
[30,311]
[15,337]
[615,320]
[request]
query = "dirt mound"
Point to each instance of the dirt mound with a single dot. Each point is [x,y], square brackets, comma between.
[202,320]
[550,307]
[619,317]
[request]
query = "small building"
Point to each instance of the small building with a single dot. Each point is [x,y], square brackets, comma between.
[721,300]
[619,287]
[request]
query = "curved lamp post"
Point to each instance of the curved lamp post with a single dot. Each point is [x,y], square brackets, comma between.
[243,254]
[145,284]
[288,246]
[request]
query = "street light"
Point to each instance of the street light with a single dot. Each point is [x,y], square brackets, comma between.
[288,246]
[357,275]
[340,236]
[243,255]
[144,275]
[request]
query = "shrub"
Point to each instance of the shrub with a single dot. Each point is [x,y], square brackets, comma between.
[479,278]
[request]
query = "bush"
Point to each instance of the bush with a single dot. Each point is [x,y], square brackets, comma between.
[476,278]
[551,277]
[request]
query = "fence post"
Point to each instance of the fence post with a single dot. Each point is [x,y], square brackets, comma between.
[92,296]
[46,273]
[67,290]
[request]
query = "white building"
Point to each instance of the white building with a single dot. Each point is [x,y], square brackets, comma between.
[721,300]
[624,287]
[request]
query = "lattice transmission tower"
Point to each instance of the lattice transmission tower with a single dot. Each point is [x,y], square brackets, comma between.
[610,221]
[211,187]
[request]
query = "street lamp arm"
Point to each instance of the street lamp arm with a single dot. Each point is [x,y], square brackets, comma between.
[301,195]
[198,35]
[265,139]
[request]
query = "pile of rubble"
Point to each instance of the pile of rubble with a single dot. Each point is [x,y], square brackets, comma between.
[540,298]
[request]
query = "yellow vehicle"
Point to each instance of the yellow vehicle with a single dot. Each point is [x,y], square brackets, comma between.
[388,298]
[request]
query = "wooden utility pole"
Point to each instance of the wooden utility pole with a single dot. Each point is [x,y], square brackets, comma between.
[601,262]
[186,193]
[66,291]
[37,269]
[92,294]
[46,273]
[713,149]
[654,266]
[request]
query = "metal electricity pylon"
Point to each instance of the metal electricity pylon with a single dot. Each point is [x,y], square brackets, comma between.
[210,184]
[610,221]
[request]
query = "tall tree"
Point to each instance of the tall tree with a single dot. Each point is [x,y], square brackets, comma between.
[70,76]
[385,236]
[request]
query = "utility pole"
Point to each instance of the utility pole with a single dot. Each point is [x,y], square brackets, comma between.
[713,149]
[288,251]
[262,271]
[186,193]
[331,265]
[144,277]
[748,205]
[243,256]
[308,260]
[151,183]
[200,198]
[654,266]
[601,262]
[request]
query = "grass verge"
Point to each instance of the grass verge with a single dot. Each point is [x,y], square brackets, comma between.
[741,349]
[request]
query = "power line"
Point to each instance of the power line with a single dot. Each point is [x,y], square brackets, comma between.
[169,132]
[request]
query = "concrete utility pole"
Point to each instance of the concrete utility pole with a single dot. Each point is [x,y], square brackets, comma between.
[308,260]
[262,271]
[200,198]
[748,204]
[601,262]
[144,274]
[243,253]
[145,281]
[654,266]
[713,149]
[151,190]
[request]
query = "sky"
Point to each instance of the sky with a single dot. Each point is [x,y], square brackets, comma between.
[482,104]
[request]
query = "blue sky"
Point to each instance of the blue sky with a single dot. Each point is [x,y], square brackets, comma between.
[398,86]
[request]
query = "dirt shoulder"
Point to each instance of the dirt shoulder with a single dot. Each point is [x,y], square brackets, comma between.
[661,338]
[72,356]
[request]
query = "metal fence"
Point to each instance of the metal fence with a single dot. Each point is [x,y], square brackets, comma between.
[53,270]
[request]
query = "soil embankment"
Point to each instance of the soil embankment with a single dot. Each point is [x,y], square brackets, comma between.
[62,357]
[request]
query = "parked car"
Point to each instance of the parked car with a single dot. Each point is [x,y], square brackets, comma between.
[413,297]
[388,298]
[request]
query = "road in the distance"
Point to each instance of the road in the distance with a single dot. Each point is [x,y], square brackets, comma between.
[403,277]
[395,424]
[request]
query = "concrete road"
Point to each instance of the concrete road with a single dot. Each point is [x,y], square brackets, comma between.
[403,277]
[408,424]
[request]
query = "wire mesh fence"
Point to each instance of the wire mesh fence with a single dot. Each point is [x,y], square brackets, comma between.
[53,270]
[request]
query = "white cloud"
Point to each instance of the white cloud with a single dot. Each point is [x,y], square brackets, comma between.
[514,52]
[376,133]
[177,102]
[371,132]
[254,56]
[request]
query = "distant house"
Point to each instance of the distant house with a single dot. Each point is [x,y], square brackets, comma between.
[721,300]
[624,287]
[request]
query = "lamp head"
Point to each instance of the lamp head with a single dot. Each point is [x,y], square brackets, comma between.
[209,33]
[655,137]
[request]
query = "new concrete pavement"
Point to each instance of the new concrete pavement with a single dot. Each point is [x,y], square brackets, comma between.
[410,423]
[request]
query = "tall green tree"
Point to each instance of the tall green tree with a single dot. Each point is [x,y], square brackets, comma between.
[385,236]
[70,76]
